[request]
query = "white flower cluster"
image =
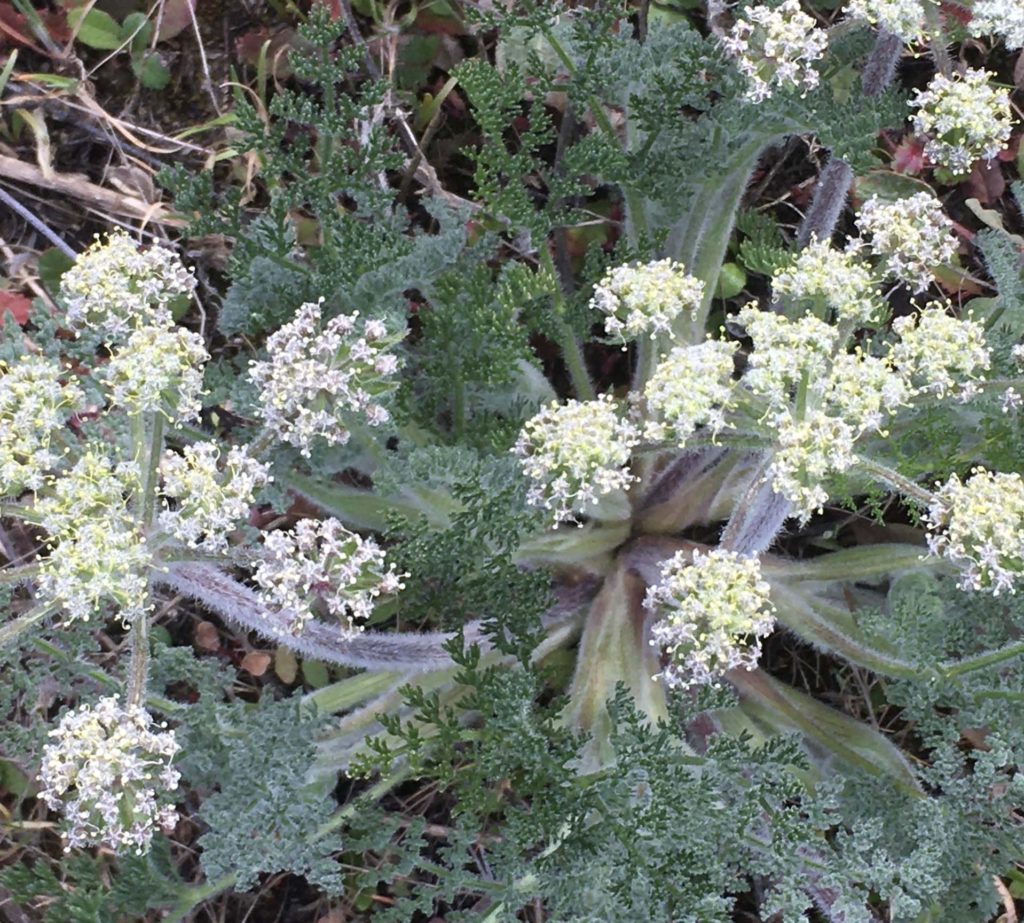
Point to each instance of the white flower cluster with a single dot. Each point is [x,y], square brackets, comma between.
[641,299]
[912,236]
[937,352]
[785,352]
[820,401]
[323,564]
[33,406]
[158,370]
[822,277]
[108,770]
[979,525]
[116,287]
[315,377]
[99,554]
[575,453]
[211,500]
[692,386]
[1004,18]
[776,47]
[966,117]
[864,391]
[712,615]
[905,18]
[808,451]
[859,394]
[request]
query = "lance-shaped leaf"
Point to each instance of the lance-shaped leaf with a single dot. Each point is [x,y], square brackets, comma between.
[863,562]
[364,509]
[852,743]
[614,649]
[830,627]
[588,547]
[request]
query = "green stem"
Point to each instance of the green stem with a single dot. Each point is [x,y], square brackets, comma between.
[636,223]
[12,576]
[151,477]
[18,511]
[572,353]
[459,409]
[11,631]
[982,661]
[895,480]
[138,667]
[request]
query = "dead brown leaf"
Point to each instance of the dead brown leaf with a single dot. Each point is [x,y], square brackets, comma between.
[256,662]
[207,637]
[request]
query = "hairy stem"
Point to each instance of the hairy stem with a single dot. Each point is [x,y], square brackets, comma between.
[758,516]
[11,631]
[837,176]
[896,481]
[138,667]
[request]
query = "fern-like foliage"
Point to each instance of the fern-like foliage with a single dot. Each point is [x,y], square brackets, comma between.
[263,816]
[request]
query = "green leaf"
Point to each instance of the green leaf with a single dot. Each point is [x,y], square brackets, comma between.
[357,508]
[136,30]
[315,673]
[831,628]
[150,70]
[855,744]
[51,265]
[99,30]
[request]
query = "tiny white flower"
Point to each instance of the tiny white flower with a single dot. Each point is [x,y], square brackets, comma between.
[116,287]
[711,615]
[645,299]
[979,526]
[692,386]
[323,564]
[913,236]
[965,117]
[574,453]
[158,370]
[808,452]
[1003,18]
[905,18]
[108,770]
[776,47]
[211,498]
[318,375]
[785,352]
[98,554]
[34,406]
[937,352]
[836,280]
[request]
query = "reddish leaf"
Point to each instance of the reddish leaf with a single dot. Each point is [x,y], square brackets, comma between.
[986,182]
[247,48]
[177,17]
[909,157]
[16,305]
[432,24]
[14,30]
[952,10]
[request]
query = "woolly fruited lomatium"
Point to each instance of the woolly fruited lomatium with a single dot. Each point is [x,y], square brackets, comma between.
[712,611]
[108,771]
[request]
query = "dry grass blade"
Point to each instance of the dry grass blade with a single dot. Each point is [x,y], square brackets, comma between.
[84,190]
